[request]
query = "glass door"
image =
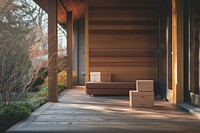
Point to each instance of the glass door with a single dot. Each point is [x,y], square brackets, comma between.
[169,57]
[194,50]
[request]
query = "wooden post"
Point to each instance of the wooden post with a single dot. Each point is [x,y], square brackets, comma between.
[69,50]
[177,51]
[52,51]
[87,73]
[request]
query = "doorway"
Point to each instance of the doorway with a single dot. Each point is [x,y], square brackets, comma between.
[164,73]
[79,52]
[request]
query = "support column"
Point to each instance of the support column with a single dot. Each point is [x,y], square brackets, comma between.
[69,50]
[87,71]
[177,51]
[52,51]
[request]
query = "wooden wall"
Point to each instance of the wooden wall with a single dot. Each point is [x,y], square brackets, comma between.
[123,38]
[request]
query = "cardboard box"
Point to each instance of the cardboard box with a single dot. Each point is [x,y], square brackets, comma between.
[144,85]
[95,76]
[105,76]
[141,99]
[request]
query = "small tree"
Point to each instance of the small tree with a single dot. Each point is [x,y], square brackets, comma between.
[17,38]
[23,31]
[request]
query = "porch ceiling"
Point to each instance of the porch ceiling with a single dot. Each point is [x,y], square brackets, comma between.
[76,6]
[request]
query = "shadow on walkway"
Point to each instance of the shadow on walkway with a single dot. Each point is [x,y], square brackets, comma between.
[76,112]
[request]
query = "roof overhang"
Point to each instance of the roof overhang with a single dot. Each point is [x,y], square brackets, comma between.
[76,6]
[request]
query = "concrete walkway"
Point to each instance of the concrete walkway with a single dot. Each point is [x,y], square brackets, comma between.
[76,112]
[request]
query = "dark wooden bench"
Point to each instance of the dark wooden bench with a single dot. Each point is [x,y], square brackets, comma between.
[109,88]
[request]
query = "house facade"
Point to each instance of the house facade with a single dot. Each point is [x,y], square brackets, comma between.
[131,39]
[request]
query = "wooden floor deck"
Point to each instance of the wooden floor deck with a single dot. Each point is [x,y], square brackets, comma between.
[76,112]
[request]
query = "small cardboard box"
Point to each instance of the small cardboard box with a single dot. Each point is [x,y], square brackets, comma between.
[141,99]
[105,76]
[95,76]
[144,85]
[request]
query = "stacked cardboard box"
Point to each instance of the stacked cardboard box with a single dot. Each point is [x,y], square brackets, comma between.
[144,94]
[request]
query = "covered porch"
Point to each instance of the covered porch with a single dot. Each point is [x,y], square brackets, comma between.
[142,27]
[133,39]
[76,112]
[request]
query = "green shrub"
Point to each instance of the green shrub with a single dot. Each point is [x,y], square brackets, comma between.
[41,77]
[44,87]
[18,111]
[37,99]
[61,87]
[11,115]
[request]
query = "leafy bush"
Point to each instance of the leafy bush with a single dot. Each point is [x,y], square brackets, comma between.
[61,87]
[41,77]
[11,115]
[62,78]
[36,100]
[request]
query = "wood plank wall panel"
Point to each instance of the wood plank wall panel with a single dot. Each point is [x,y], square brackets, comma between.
[123,38]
